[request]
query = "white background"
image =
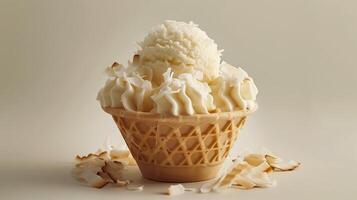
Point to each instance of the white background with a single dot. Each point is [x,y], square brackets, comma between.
[301,54]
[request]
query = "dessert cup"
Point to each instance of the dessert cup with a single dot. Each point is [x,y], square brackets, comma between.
[179,148]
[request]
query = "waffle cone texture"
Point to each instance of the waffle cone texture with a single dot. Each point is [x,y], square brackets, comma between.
[179,148]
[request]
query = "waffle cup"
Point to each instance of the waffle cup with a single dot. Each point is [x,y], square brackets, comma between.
[179,148]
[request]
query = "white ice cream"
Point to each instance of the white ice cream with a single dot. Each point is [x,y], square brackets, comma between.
[181,46]
[125,89]
[178,71]
[184,95]
[233,89]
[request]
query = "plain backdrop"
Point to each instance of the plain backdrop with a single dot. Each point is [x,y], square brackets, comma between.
[301,54]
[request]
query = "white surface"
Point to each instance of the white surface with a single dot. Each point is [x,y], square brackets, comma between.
[52,181]
[301,54]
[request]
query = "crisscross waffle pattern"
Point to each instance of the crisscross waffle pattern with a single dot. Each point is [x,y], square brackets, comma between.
[179,143]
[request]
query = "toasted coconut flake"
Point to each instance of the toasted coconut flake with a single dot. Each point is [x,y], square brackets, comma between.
[175,190]
[253,177]
[228,179]
[242,182]
[270,158]
[123,156]
[264,167]
[136,59]
[104,155]
[285,166]
[114,170]
[135,187]
[280,165]
[101,155]
[251,172]
[245,176]
[93,179]
[119,154]
[102,167]
[84,158]
[261,179]
[207,187]
[122,183]
[105,176]
[254,159]
[190,189]
[94,163]
[115,64]
[258,177]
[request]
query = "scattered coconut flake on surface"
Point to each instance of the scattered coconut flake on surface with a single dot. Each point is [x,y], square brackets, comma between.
[103,167]
[122,182]
[228,179]
[254,159]
[254,177]
[114,170]
[123,156]
[93,179]
[175,190]
[276,163]
[98,172]
[243,183]
[190,189]
[279,164]
[135,187]
[249,172]
[207,187]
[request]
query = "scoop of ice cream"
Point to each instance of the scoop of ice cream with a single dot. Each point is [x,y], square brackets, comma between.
[234,89]
[177,71]
[184,95]
[181,46]
[126,89]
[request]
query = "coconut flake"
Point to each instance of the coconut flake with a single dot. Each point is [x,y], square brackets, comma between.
[135,187]
[94,164]
[251,172]
[261,179]
[136,59]
[79,158]
[228,179]
[207,187]
[190,189]
[99,169]
[123,156]
[175,190]
[119,154]
[264,167]
[242,182]
[105,176]
[256,177]
[279,164]
[93,179]
[104,155]
[254,159]
[122,183]
[114,170]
